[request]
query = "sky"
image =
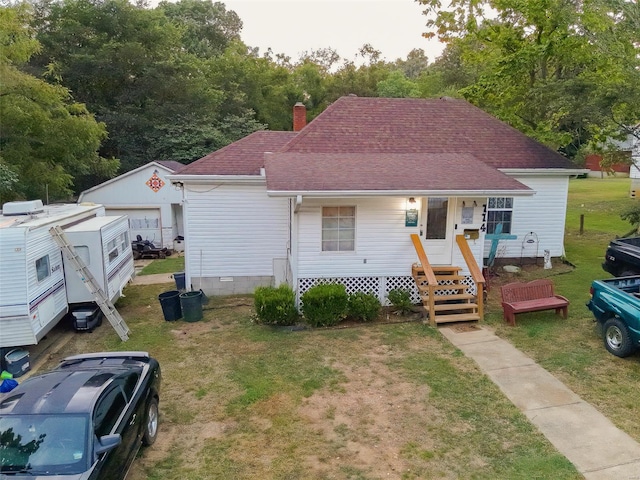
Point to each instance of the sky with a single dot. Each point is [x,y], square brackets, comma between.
[394,27]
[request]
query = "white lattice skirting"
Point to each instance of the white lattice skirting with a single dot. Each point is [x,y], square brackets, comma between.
[380,286]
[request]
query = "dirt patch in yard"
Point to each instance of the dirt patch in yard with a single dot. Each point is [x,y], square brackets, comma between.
[373,419]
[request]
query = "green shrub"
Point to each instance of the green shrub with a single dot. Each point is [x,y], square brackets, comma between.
[276,306]
[400,300]
[324,305]
[363,306]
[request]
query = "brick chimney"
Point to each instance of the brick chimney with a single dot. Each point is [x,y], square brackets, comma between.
[299,116]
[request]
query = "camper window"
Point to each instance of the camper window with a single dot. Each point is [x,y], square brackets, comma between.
[125,241]
[42,268]
[112,247]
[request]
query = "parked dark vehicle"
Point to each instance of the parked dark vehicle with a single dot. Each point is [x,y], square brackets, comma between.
[85,419]
[146,249]
[615,304]
[622,257]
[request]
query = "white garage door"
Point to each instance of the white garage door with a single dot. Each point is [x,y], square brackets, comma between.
[144,222]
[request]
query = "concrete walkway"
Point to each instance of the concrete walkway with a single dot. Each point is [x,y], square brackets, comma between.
[598,449]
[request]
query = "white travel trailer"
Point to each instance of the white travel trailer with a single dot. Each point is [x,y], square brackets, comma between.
[37,286]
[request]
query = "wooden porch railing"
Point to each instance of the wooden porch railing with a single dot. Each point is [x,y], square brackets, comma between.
[430,277]
[474,270]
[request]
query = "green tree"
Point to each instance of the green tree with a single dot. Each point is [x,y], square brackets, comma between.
[396,85]
[563,72]
[151,75]
[46,139]
[207,28]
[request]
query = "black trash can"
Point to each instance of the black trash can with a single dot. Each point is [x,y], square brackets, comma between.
[180,281]
[170,302]
[191,303]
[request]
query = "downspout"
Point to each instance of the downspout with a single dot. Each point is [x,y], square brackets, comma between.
[294,248]
[185,227]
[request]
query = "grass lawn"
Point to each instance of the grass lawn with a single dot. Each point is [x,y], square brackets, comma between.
[395,400]
[172,264]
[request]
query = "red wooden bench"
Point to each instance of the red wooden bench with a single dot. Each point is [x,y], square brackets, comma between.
[534,296]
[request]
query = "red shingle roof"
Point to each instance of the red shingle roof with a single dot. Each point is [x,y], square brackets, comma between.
[409,125]
[171,164]
[244,157]
[413,172]
[361,144]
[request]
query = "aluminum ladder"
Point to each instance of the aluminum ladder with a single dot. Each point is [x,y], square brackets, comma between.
[90,282]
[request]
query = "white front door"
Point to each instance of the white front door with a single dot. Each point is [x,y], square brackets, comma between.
[436,229]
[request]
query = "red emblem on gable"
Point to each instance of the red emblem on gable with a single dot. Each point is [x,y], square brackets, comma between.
[155,183]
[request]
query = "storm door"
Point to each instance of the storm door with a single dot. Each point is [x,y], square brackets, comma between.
[437,229]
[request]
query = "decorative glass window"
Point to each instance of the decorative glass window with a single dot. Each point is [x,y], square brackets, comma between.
[499,211]
[338,229]
[112,248]
[43,269]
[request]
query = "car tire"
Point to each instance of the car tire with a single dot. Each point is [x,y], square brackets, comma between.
[617,339]
[151,423]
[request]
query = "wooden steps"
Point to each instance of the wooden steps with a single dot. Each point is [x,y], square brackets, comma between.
[444,292]
[451,300]
[458,317]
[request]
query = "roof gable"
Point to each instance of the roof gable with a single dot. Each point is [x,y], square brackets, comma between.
[169,166]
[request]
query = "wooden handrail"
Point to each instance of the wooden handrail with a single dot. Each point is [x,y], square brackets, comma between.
[432,282]
[469,259]
[474,270]
[422,256]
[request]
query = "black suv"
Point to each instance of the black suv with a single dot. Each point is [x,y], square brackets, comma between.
[86,419]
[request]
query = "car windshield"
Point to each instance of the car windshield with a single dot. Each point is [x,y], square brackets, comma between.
[43,444]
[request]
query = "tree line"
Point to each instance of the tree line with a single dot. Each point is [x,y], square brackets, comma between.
[93,88]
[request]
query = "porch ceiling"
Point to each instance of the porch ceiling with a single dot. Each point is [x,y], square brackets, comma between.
[301,173]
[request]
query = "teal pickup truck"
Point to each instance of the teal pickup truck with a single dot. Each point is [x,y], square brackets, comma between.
[615,302]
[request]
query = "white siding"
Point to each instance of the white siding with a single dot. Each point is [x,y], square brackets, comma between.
[111,276]
[475,245]
[234,231]
[543,214]
[13,273]
[383,243]
[129,194]
[30,308]
[47,298]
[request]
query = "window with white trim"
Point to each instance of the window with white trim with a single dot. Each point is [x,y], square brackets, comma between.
[124,238]
[112,248]
[338,229]
[43,269]
[499,211]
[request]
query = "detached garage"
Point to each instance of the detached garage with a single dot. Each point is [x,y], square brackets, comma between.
[153,205]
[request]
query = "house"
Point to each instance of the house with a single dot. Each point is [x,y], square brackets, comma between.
[375,193]
[145,195]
